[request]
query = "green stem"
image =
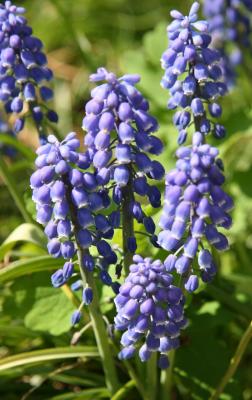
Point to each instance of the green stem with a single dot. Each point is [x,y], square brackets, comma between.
[166,378]
[77,335]
[101,335]
[12,187]
[136,379]
[123,391]
[151,376]
[127,223]
[100,332]
[234,363]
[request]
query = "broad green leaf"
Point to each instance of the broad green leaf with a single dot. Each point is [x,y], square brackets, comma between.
[23,233]
[42,307]
[155,43]
[50,312]
[236,151]
[28,266]
[134,60]
[41,356]
[211,307]
[16,332]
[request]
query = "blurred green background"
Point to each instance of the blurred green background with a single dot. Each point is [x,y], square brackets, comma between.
[125,36]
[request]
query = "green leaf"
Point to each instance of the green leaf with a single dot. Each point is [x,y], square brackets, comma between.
[146,61]
[89,394]
[205,349]
[76,377]
[41,356]
[42,307]
[23,233]
[236,151]
[155,43]
[24,150]
[211,307]
[243,283]
[24,267]
[226,298]
[51,311]
[123,391]
[11,184]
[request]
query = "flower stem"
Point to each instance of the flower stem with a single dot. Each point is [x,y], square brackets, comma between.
[135,377]
[100,332]
[96,317]
[151,383]
[166,378]
[234,363]
[12,187]
[123,391]
[127,223]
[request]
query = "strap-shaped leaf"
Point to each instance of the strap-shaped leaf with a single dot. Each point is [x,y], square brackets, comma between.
[40,356]
[24,267]
[88,394]
[23,233]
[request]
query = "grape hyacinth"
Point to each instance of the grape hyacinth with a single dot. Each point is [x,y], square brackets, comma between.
[150,311]
[230,27]
[195,208]
[119,136]
[23,70]
[196,93]
[69,204]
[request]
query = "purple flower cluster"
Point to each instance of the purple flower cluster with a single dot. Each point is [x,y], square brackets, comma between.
[196,93]
[150,311]
[230,27]
[119,136]
[69,204]
[23,69]
[195,208]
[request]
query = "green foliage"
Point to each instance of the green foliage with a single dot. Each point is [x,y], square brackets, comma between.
[23,233]
[35,352]
[45,355]
[27,266]
[204,345]
[42,307]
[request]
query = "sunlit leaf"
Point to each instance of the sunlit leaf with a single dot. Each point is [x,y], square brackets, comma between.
[42,307]
[41,356]
[23,233]
[28,266]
